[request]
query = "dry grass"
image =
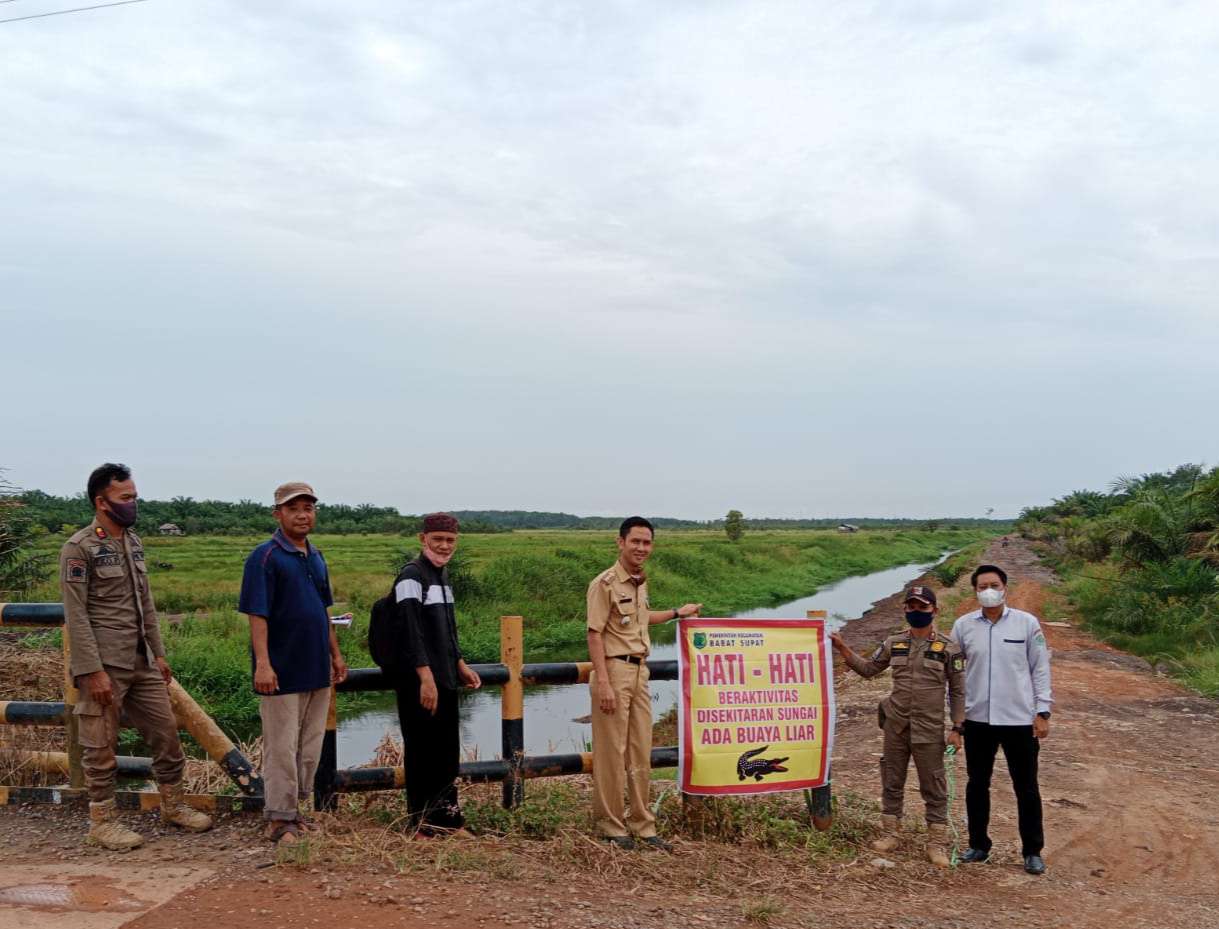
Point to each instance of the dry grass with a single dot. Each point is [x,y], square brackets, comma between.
[204,776]
[664,729]
[387,754]
[30,673]
[761,910]
[15,741]
[765,849]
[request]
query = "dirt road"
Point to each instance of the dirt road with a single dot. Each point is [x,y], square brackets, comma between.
[1129,776]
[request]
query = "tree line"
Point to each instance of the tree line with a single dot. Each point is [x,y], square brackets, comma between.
[56,514]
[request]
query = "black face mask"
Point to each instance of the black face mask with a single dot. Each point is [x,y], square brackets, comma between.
[918,619]
[123,514]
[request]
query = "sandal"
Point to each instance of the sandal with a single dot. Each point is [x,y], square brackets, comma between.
[282,832]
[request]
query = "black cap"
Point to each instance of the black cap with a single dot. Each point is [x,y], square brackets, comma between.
[919,592]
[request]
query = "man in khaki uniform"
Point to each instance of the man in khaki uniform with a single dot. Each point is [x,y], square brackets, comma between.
[618,646]
[925,665]
[118,661]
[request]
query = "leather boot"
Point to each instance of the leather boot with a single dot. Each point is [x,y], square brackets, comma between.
[937,838]
[105,829]
[175,811]
[889,839]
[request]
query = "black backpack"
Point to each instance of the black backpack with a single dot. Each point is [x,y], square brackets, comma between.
[386,635]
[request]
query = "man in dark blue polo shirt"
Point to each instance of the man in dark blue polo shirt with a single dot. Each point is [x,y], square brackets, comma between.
[285,592]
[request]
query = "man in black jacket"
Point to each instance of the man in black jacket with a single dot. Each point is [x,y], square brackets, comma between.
[427,687]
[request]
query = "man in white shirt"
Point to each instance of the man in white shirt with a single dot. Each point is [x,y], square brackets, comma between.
[1007,705]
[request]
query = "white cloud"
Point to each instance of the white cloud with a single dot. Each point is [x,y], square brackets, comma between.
[772,228]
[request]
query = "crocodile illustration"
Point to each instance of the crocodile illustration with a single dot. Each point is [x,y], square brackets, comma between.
[757,768]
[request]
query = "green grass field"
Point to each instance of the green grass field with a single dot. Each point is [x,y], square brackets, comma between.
[541,575]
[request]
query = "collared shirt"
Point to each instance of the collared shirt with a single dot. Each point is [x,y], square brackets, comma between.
[108,606]
[618,609]
[291,590]
[922,669]
[1007,674]
[424,601]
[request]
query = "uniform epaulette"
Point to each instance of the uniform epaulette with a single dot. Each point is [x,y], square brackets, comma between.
[606,577]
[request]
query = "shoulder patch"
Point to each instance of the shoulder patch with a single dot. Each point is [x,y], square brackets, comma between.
[958,663]
[937,646]
[1039,639]
[879,653]
[76,571]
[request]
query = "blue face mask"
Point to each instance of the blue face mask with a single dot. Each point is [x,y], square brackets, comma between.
[918,619]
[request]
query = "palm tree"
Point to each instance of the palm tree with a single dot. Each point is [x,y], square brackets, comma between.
[20,569]
[1155,527]
[1205,496]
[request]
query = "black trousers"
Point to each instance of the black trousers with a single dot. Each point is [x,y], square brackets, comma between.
[432,743]
[982,742]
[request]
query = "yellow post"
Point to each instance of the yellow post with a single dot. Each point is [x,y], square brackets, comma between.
[512,713]
[219,747]
[76,771]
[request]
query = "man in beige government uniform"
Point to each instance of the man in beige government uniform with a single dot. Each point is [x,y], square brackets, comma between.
[118,661]
[925,664]
[618,646]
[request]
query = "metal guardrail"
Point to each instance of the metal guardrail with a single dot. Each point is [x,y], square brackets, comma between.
[189,714]
[513,768]
[510,673]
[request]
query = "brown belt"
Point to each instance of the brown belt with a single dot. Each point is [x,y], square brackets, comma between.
[633,659]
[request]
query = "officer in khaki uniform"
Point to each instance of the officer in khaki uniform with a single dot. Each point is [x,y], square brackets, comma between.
[925,665]
[117,658]
[618,646]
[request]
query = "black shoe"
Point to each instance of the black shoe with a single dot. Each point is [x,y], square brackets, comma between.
[656,843]
[624,842]
[1033,864]
[974,856]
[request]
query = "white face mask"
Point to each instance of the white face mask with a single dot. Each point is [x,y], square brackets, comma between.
[990,597]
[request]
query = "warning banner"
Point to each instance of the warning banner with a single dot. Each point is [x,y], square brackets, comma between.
[757,705]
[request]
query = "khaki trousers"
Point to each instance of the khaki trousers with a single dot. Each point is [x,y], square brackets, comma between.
[928,761]
[622,752]
[292,729]
[140,693]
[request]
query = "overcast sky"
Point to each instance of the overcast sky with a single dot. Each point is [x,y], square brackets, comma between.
[887,258]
